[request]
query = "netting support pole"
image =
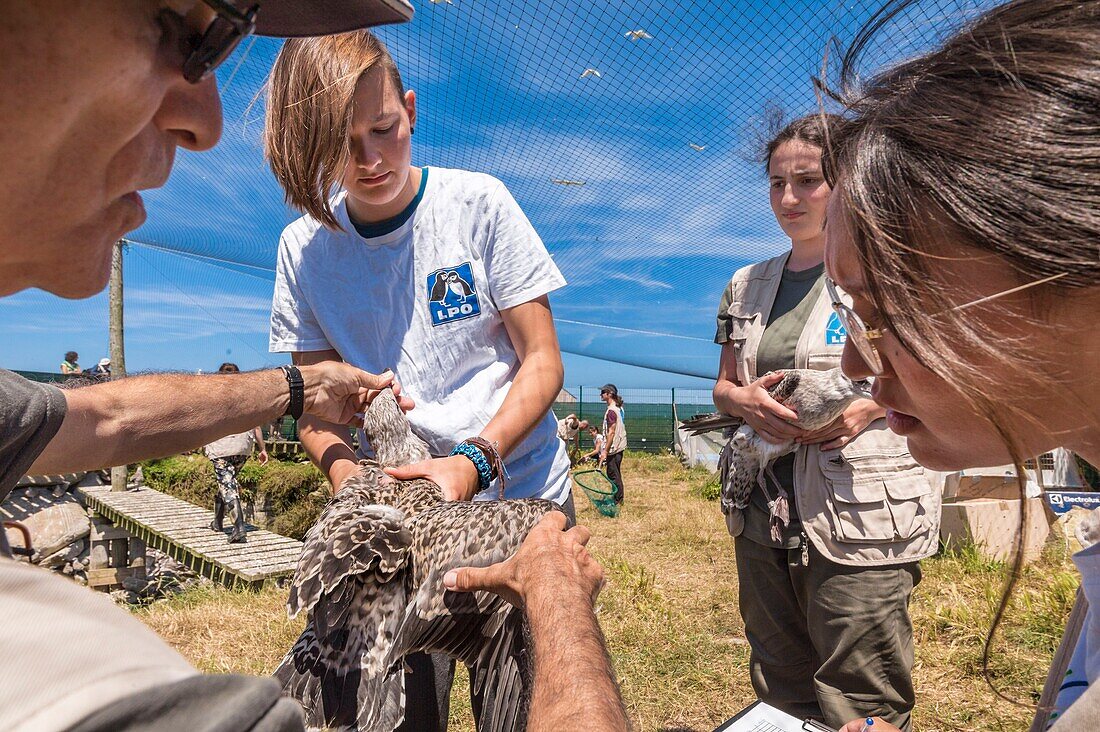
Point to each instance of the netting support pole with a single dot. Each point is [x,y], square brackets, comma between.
[117,344]
[580,402]
[674,423]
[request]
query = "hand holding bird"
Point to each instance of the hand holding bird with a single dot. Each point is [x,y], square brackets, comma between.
[850,423]
[755,404]
[784,406]
[550,560]
[455,475]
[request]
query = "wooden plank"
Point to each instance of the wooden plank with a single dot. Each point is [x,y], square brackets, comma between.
[241,558]
[113,575]
[182,531]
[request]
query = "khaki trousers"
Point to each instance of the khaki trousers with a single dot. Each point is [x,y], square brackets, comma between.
[828,641]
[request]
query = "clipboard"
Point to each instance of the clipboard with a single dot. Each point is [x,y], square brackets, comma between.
[761,717]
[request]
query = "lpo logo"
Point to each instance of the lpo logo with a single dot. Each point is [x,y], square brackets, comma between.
[452,294]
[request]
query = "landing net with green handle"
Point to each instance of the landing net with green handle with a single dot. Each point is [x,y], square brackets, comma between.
[599,489]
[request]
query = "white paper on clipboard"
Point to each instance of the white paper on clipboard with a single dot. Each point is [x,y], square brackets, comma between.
[761,717]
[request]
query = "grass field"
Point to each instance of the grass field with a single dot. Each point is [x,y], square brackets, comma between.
[671,618]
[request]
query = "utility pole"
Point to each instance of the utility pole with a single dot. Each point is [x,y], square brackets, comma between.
[117,343]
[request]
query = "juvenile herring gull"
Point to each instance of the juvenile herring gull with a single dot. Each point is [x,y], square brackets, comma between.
[371,579]
[817,397]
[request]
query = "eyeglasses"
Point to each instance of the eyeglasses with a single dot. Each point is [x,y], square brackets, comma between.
[863,338]
[205,53]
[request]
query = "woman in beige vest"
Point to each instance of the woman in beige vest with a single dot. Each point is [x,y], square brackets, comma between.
[824,598]
[976,278]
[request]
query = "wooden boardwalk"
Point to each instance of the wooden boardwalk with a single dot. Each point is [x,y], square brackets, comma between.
[182,531]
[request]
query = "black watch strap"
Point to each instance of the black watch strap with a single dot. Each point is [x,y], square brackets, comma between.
[297,391]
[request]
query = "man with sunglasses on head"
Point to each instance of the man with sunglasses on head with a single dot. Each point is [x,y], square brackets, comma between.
[95,98]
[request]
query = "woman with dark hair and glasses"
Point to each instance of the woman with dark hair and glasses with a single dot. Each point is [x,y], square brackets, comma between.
[965,225]
[827,554]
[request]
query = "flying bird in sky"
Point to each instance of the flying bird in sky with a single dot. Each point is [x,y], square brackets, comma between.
[439,2]
[567,182]
[637,35]
[697,148]
[817,397]
[371,580]
[591,72]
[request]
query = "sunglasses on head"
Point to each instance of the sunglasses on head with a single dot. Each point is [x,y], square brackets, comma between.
[204,53]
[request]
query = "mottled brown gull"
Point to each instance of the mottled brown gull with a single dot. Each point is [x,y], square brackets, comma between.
[371,579]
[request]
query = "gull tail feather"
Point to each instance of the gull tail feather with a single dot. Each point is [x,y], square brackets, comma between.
[700,424]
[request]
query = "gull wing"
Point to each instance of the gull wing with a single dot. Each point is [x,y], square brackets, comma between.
[478,628]
[351,578]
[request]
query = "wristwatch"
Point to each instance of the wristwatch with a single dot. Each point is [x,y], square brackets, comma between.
[297,391]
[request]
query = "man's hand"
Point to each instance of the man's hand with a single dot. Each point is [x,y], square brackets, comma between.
[456,475]
[262,457]
[771,420]
[856,725]
[854,420]
[336,392]
[550,560]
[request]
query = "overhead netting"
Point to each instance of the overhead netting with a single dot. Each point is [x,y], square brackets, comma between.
[625,130]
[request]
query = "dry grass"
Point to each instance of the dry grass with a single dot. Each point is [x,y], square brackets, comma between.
[671,618]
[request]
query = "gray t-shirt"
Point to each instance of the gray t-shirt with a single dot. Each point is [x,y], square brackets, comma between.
[30,416]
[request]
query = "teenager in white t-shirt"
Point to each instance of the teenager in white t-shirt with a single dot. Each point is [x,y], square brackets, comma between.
[434,273]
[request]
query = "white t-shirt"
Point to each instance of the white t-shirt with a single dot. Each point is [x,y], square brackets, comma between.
[239,444]
[424,299]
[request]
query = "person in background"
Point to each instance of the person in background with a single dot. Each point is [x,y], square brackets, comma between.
[569,432]
[380,275]
[598,443]
[614,433]
[824,586]
[70,367]
[102,370]
[227,455]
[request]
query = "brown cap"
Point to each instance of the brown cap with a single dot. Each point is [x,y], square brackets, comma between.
[289,18]
[609,389]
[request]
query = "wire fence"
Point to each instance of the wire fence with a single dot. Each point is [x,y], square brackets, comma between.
[648,413]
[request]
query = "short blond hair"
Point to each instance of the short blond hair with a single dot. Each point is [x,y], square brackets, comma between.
[309,108]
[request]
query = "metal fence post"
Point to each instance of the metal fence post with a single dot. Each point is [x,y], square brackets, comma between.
[674,416]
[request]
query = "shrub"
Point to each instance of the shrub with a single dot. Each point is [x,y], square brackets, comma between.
[296,492]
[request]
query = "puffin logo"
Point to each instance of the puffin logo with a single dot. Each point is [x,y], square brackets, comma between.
[835,334]
[452,294]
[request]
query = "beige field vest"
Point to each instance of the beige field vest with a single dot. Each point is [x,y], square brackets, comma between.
[867,503]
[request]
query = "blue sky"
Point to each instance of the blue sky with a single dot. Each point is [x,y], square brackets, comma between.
[646,243]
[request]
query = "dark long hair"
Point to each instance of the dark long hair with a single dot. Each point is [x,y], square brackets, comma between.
[991,141]
[812,129]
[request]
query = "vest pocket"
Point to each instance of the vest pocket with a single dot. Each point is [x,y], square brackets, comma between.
[877,496]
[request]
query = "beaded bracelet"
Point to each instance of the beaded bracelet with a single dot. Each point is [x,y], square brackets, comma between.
[484,471]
